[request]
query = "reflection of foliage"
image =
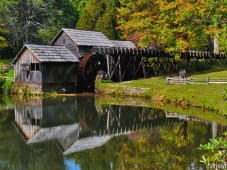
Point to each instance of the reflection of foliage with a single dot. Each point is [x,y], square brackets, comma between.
[3,116]
[166,147]
[102,157]
[217,151]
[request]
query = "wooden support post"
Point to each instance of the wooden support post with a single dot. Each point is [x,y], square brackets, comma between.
[187,81]
[167,80]
[208,80]
[120,75]
[108,65]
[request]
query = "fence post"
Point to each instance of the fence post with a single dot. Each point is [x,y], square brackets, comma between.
[187,80]
[167,80]
[208,80]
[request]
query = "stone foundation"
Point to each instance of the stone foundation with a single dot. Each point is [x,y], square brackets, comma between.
[31,87]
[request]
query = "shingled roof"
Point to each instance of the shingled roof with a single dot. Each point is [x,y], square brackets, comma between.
[123,44]
[86,38]
[47,53]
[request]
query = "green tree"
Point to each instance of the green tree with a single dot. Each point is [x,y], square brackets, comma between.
[100,15]
[3,42]
[66,15]
[25,18]
[175,25]
[91,14]
[107,23]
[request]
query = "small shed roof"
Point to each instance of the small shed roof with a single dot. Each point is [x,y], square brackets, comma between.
[47,53]
[125,44]
[85,37]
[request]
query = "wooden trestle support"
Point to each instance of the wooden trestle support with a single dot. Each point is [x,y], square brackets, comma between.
[123,64]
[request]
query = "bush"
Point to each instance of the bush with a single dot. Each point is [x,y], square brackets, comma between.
[197,66]
[8,87]
[217,151]
[25,91]
[1,84]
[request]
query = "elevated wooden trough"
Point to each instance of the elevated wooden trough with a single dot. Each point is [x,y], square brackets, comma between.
[157,53]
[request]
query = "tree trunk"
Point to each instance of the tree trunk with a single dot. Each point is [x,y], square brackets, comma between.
[211,48]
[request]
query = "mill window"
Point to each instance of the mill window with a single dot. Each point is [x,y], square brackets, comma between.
[32,66]
[35,67]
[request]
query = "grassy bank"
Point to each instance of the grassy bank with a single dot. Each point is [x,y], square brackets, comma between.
[212,97]
[6,86]
[103,100]
[4,62]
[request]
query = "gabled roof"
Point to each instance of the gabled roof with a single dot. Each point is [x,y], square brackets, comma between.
[85,37]
[56,132]
[123,44]
[87,143]
[47,53]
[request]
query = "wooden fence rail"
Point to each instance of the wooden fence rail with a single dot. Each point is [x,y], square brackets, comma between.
[187,80]
[8,78]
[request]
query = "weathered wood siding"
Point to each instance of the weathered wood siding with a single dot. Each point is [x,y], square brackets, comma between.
[22,71]
[68,43]
[28,116]
[59,72]
[47,112]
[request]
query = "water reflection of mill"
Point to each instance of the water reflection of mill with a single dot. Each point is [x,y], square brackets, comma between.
[78,124]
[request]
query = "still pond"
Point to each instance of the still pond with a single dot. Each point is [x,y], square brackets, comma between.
[83,132]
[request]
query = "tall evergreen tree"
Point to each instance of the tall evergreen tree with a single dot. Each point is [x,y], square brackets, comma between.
[91,14]
[25,18]
[100,15]
[107,23]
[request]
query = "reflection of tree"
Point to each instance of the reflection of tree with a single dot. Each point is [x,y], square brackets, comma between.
[3,116]
[164,147]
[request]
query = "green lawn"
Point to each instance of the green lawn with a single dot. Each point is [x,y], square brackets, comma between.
[10,73]
[212,96]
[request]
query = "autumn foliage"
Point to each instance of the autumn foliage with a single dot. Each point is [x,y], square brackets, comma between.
[176,25]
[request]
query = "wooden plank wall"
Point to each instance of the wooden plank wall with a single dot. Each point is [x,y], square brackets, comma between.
[69,44]
[59,72]
[21,76]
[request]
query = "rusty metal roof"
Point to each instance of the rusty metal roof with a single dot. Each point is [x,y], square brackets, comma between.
[47,53]
[85,37]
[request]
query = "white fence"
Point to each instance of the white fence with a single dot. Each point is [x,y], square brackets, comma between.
[8,78]
[187,80]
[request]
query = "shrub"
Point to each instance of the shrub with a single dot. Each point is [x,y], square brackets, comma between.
[197,66]
[25,91]
[8,87]
[1,84]
[217,151]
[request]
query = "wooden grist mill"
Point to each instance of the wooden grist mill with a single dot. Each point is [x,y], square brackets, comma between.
[74,57]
